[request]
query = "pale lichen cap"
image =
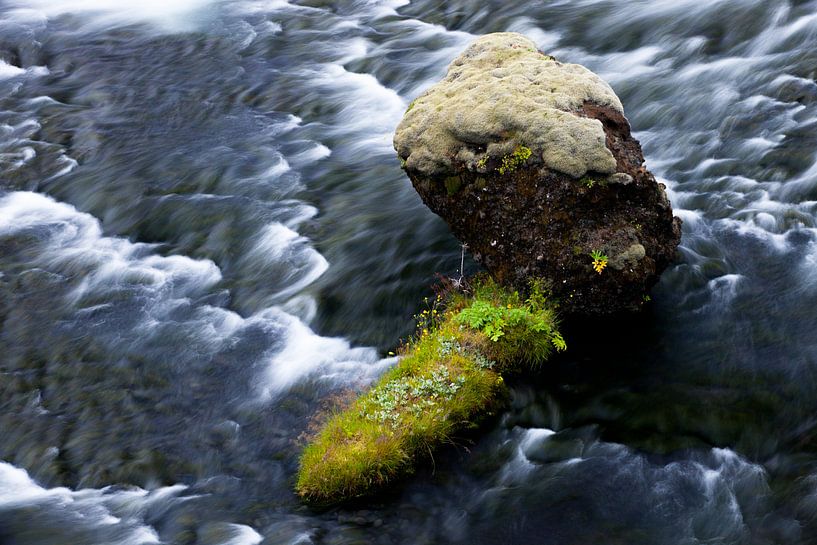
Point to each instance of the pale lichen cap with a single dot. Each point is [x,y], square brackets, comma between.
[499,94]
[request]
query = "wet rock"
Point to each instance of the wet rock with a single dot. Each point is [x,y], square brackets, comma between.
[532,164]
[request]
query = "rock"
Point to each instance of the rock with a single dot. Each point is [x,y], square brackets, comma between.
[531,163]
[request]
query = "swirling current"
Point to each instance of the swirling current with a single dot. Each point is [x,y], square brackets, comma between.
[205,235]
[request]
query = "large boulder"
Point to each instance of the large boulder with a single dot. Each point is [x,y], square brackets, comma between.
[531,163]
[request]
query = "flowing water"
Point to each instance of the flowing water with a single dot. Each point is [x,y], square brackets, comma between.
[205,236]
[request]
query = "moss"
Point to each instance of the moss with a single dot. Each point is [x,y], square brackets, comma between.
[453,184]
[629,257]
[439,133]
[510,161]
[514,160]
[588,182]
[448,378]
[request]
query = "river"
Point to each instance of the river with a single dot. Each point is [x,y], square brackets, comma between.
[206,237]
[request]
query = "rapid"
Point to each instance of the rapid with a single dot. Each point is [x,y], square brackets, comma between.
[206,237]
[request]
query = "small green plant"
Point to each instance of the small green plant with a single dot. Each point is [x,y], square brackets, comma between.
[517,323]
[559,342]
[599,261]
[482,163]
[487,318]
[410,395]
[514,160]
[588,182]
[450,346]
[429,318]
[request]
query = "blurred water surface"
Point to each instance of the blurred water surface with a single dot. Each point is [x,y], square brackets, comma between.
[205,235]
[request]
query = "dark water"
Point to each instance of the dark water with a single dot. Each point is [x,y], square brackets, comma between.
[205,234]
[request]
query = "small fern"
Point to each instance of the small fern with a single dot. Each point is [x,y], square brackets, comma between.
[512,323]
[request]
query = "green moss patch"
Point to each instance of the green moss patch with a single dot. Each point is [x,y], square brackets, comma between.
[447,380]
[452,185]
[513,161]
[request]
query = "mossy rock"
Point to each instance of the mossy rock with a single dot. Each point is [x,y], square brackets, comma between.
[448,380]
[532,164]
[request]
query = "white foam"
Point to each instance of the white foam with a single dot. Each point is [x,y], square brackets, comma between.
[116,515]
[110,515]
[775,241]
[311,155]
[534,437]
[271,27]
[306,354]
[165,286]
[788,78]
[279,247]
[639,62]
[385,8]
[243,535]
[368,108]
[301,539]
[169,15]
[766,221]
[353,49]
[8,71]
[280,167]
[723,290]
[76,244]
[531,441]
[775,35]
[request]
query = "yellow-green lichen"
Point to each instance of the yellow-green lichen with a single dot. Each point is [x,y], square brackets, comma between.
[630,257]
[514,160]
[501,93]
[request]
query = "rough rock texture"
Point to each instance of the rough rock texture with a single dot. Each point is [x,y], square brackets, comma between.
[532,164]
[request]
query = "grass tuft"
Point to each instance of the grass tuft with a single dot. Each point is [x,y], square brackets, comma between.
[448,378]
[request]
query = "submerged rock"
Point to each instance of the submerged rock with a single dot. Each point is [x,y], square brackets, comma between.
[531,163]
